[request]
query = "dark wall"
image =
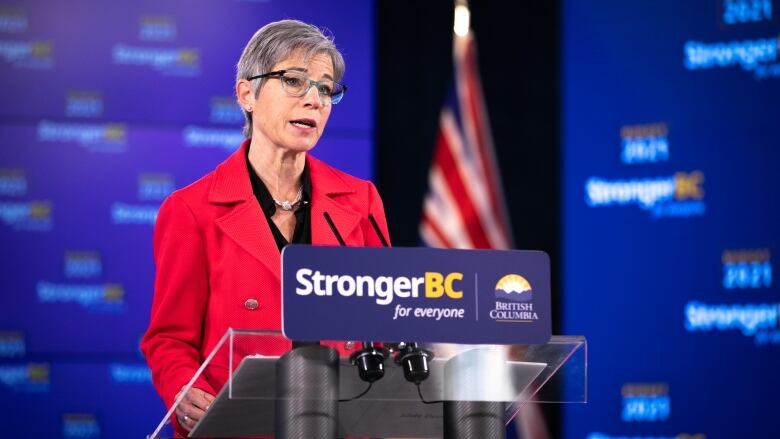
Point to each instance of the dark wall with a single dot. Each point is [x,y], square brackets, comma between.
[414,66]
[518,50]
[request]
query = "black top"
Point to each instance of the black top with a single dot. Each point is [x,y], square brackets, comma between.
[302,232]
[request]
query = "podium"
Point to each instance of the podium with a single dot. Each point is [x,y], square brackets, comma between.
[471,391]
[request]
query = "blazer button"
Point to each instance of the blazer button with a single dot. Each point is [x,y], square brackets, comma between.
[251,304]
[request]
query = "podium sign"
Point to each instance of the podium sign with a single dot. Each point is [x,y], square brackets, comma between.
[416,294]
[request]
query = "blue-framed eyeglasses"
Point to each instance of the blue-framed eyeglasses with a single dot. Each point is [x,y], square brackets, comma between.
[297,84]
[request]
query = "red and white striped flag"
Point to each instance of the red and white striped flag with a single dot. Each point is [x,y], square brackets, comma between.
[465,206]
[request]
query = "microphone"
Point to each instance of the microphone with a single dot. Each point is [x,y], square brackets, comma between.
[371,219]
[413,359]
[377,230]
[370,360]
[301,343]
[333,228]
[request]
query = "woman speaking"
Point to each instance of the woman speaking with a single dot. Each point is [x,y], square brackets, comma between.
[217,242]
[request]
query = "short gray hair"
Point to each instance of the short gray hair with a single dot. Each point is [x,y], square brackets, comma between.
[276,41]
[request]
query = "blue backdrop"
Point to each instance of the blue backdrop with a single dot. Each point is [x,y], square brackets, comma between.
[672,206]
[105,108]
[671,210]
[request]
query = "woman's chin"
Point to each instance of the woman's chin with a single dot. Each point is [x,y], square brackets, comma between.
[301,146]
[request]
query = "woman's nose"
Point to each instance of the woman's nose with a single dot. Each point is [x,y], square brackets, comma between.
[312,97]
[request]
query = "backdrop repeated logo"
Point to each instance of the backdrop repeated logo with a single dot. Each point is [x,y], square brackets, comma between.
[746,269]
[157,28]
[99,298]
[30,54]
[155,186]
[644,143]
[13,182]
[678,195]
[742,269]
[202,137]
[759,55]
[35,54]
[645,402]
[94,137]
[84,103]
[25,378]
[80,426]
[183,61]
[740,12]
[82,265]
[12,21]
[174,62]
[151,187]
[225,109]
[752,55]
[122,373]
[12,344]
[747,318]
[33,216]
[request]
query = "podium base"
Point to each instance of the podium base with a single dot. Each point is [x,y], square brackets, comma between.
[307,393]
[474,419]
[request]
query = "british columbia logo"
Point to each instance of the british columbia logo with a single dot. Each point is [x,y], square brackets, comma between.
[514,297]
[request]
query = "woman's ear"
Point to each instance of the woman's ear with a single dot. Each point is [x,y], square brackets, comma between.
[244,94]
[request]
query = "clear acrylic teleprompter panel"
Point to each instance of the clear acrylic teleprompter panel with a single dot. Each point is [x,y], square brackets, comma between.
[222,361]
[551,372]
[515,374]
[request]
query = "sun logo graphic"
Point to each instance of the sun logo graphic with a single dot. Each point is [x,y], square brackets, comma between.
[514,288]
[513,301]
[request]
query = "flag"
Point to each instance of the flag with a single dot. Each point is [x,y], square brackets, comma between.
[465,207]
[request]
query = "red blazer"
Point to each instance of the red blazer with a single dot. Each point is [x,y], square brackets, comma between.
[214,252]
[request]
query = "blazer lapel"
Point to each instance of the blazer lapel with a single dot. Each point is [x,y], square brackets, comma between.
[327,186]
[245,223]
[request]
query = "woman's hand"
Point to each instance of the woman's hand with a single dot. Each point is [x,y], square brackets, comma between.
[192,407]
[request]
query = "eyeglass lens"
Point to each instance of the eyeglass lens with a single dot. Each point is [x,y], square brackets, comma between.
[298,84]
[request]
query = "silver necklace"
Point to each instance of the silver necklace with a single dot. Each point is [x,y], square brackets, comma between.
[289,205]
